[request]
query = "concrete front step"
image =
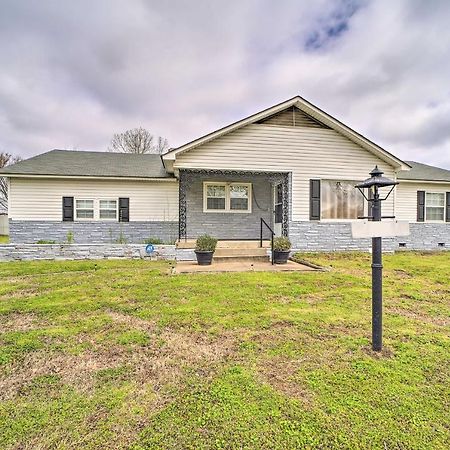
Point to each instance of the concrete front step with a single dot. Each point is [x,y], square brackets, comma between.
[242,244]
[233,258]
[244,252]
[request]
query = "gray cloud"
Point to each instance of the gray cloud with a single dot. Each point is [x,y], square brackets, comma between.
[74,73]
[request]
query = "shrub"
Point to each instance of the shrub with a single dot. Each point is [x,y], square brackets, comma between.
[205,243]
[154,241]
[69,237]
[121,239]
[281,244]
[45,241]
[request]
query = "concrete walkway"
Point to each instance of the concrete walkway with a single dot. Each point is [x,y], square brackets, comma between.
[240,266]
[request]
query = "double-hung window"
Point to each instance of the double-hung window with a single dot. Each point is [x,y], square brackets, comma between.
[96,209]
[84,209]
[435,206]
[227,197]
[341,200]
[108,209]
[215,197]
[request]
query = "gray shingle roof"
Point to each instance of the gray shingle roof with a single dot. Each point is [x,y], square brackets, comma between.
[93,164]
[421,171]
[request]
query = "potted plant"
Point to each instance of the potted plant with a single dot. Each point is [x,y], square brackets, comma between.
[204,249]
[281,250]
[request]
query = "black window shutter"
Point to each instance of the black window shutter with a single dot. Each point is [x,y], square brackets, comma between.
[447,207]
[124,209]
[420,206]
[314,199]
[67,206]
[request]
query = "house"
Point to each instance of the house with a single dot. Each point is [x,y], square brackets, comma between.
[292,165]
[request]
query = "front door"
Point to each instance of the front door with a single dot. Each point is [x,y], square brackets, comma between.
[277,208]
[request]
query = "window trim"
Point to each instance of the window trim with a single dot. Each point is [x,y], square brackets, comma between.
[227,197]
[109,219]
[96,209]
[83,219]
[346,180]
[443,207]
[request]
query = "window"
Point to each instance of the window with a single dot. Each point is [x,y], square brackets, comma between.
[341,200]
[227,197]
[96,209]
[108,209]
[435,206]
[84,209]
[215,197]
[239,197]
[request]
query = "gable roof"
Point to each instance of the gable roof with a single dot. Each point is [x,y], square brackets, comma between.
[69,163]
[424,172]
[308,108]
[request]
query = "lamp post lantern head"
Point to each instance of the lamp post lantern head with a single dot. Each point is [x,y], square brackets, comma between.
[376,179]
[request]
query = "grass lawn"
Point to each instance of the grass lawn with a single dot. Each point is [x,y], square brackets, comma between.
[4,239]
[119,354]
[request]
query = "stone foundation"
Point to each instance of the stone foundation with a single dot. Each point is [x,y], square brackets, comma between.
[35,252]
[426,236]
[30,232]
[330,237]
[327,236]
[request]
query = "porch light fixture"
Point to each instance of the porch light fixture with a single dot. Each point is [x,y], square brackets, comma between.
[374,183]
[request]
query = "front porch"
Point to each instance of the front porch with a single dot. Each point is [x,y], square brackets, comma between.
[229,204]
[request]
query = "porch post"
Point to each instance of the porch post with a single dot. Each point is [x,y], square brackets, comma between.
[285,223]
[182,205]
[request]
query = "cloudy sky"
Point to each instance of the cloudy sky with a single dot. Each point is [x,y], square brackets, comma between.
[74,72]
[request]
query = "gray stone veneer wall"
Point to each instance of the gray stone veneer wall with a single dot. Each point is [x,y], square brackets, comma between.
[426,236]
[23,231]
[326,236]
[229,225]
[35,252]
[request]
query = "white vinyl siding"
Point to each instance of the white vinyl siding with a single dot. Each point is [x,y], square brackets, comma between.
[41,198]
[309,153]
[406,197]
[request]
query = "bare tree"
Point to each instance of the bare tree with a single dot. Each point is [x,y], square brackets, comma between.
[162,146]
[6,159]
[138,140]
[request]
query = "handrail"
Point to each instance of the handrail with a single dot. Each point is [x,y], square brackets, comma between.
[262,221]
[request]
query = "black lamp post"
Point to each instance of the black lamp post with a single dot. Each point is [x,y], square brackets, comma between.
[374,183]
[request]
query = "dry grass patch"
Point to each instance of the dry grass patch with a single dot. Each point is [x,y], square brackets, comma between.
[161,361]
[20,322]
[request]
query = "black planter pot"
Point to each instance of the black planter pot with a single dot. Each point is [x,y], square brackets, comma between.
[204,258]
[281,256]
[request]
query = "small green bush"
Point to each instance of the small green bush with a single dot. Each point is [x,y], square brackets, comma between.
[45,241]
[205,243]
[121,239]
[154,241]
[281,244]
[69,237]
